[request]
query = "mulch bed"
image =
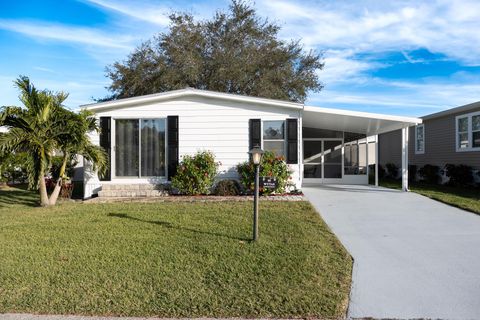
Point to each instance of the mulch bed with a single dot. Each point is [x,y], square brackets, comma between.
[176,198]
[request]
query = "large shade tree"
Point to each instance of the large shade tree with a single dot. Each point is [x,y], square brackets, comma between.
[43,127]
[234,52]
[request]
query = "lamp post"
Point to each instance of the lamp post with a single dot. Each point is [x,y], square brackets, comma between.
[256,153]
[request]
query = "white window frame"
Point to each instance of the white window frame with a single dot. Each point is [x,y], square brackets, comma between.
[284,136]
[469,131]
[416,139]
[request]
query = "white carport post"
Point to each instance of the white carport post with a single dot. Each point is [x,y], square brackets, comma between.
[405,159]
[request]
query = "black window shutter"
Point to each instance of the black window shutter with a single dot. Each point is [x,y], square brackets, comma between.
[255,133]
[106,144]
[292,141]
[172,143]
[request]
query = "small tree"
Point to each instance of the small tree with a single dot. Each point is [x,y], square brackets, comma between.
[73,141]
[41,128]
[234,52]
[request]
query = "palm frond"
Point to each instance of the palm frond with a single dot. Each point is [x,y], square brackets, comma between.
[15,117]
[28,93]
[97,156]
[14,140]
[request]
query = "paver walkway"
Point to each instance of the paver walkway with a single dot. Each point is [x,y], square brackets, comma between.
[414,257]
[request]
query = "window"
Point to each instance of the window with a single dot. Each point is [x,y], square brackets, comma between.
[476,131]
[140,147]
[420,139]
[468,132]
[462,126]
[355,159]
[274,137]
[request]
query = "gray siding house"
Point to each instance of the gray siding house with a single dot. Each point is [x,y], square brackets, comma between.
[448,137]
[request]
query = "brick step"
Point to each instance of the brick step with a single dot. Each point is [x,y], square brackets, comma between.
[131,193]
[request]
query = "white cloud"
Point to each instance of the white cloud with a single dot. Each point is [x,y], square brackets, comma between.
[401,97]
[354,34]
[445,27]
[151,13]
[64,33]
[44,69]
[81,90]
[341,66]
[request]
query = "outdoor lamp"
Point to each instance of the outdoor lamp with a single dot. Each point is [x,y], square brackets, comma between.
[256,153]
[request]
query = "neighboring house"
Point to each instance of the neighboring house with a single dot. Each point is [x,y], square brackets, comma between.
[147,136]
[448,137]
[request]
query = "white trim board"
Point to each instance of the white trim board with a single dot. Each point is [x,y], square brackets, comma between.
[175,94]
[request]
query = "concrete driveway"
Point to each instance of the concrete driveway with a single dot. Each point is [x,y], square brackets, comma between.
[414,257]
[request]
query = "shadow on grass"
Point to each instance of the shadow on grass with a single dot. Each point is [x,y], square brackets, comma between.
[17,197]
[171,226]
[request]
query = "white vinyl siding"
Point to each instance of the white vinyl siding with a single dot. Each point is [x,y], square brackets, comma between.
[205,124]
[467,133]
[420,139]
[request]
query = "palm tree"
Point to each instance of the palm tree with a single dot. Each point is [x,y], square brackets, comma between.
[41,128]
[73,141]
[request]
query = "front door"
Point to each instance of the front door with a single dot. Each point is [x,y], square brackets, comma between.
[322,159]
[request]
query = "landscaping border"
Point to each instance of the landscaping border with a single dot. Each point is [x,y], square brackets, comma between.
[195,199]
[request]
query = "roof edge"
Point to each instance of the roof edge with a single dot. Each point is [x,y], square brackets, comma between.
[163,96]
[464,108]
[361,114]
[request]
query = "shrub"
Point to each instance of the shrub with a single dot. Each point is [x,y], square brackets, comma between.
[459,175]
[227,188]
[57,161]
[13,167]
[270,166]
[412,173]
[371,173]
[196,174]
[430,174]
[381,172]
[392,170]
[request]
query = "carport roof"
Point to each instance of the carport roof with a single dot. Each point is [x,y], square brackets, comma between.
[315,117]
[354,121]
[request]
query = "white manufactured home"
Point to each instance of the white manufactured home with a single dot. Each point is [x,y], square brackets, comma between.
[147,136]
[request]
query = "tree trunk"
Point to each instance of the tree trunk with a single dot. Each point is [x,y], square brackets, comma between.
[43,190]
[58,184]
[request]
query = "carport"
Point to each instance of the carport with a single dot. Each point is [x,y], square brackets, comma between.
[340,146]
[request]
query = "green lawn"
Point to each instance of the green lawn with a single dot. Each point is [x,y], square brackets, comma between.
[467,199]
[169,260]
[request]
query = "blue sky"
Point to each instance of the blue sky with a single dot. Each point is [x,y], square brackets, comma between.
[399,57]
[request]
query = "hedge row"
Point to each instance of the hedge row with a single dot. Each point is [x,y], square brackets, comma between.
[458,175]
